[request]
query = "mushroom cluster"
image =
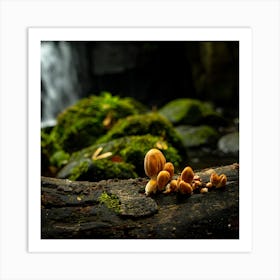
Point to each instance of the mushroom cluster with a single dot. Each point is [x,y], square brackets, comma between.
[161,175]
[217,181]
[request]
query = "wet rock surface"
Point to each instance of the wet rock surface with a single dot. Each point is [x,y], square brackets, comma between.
[119,209]
[229,143]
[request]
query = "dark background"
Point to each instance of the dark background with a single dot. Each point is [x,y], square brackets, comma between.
[152,72]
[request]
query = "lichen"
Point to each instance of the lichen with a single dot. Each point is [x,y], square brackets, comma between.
[111,201]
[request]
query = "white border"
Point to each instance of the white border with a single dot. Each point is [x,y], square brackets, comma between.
[243,35]
[263,16]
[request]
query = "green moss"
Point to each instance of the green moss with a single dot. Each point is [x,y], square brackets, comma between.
[145,124]
[59,158]
[137,147]
[85,169]
[127,158]
[111,201]
[78,170]
[104,169]
[51,152]
[80,125]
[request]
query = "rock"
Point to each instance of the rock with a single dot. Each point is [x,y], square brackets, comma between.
[187,111]
[194,136]
[229,143]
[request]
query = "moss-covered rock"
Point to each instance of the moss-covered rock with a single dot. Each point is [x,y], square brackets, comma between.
[52,156]
[89,170]
[125,161]
[195,136]
[189,111]
[82,124]
[150,123]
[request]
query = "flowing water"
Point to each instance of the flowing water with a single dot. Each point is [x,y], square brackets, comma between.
[59,80]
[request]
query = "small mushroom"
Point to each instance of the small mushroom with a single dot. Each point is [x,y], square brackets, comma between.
[222,181]
[203,190]
[187,175]
[196,183]
[170,168]
[218,181]
[163,178]
[214,179]
[185,188]
[154,162]
[171,187]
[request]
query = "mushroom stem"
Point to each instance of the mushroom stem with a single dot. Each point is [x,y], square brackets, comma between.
[151,187]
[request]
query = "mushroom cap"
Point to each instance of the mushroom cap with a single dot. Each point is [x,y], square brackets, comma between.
[162,179]
[203,190]
[187,174]
[222,181]
[170,168]
[173,186]
[154,162]
[214,179]
[185,188]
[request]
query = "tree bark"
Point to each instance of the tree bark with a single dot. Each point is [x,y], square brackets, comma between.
[120,209]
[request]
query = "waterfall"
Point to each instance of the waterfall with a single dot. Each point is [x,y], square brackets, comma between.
[59,79]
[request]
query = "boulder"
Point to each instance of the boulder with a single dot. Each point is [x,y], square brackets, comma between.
[229,143]
[188,111]
[195,136]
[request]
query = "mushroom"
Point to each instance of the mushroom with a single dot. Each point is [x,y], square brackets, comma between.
[171,187]
[203,190]
[154,162]
[170,168]
[187,175]
[196,182]
[185,188]
[151,187]
[214,179]
[163,178]
[218,181]
[222,181]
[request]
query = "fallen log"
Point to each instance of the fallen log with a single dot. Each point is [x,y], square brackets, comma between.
[120,209]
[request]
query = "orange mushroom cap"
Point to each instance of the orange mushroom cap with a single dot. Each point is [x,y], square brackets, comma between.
[154,162]
[187,174]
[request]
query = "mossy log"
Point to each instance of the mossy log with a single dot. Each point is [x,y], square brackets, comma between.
[119,209]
